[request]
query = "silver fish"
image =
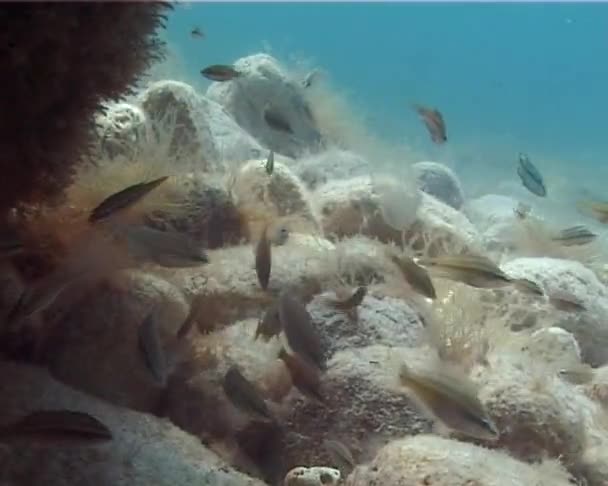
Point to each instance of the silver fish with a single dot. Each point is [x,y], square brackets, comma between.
[244,395]
[263,259]
[415,275]
[476,271]
[221,73]
[270,163]
[574,236]
[530,177]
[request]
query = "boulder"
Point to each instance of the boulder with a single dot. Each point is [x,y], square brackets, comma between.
[439,181]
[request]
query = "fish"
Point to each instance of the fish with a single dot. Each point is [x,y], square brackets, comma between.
[597,209]
[475,271]
[527,286]
[305,376]
[270,324]
[578,374]
[276,120]
[310,78]
[197,33]
[221,73]
[244,395]
[566,303]
[299,330]
[530,177]
[574,236]
[280,236]
[151,349]
[270,163]
[433,120]
[53,427]
[340,454]
[522,210]
[351,302]
[263,259]
[452,399]
[166,248]
[415,275]
[123,199]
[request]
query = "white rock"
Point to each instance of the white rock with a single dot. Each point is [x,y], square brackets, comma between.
[333,164]
[121,130]
[312,476]
[439,181]
[265,81]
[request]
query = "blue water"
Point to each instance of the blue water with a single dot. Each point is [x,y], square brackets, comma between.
[507,77]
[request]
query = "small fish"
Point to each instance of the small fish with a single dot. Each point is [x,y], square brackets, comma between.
[244,395]
[340,454]
[305,376]
[280,236]
[522,210]
[197,33]
[415,275]
[275,120]
[152,350]
[300,332]
[270,325]
[530,177]
[476,271]
[433,120]
[221,73]
[310,78]
[270,163]
[452,399]
[351,302]
[599,210]
[57,426]
[574,236]
[566,303]
[124,199]
[578,374]
[527,286]
[166,248]
[263,259]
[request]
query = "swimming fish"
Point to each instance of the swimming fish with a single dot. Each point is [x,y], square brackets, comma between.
[351,302]
[244,395]
[599,210]
[433,120]
[578,374]
[415,275]
[310,78]
[280,235]
[270,324]
[522,210]
[527,286]
[340,454]
[566,303]
[452,399]
[197,33]
[476,271]
[263,259]
[276,120]
[530,177]
[152,350]
[166,248]
[221,73]
[305,376]
[574,236]
[270,163]
[57,427]
[299,330]
[123,199]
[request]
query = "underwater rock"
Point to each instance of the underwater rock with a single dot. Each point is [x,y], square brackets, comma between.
[333,164]
[95,347]
[264,81]
[554,346]
[432,460]
[205,211]
[567,278]
[122,130]
[384,321]
[495,219]
[312,476]
[351,207]
[144,450]
[440,182]
[93,53]
[281,194]
[175,111]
